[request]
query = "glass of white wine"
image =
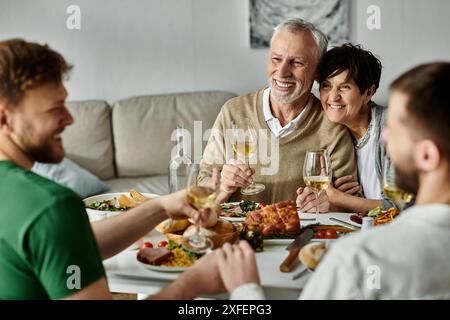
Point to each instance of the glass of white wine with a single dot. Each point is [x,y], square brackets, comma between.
[245,144]
[201,198]
[317,172]
[390,189]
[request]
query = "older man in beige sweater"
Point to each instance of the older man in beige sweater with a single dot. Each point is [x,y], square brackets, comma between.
[288,119]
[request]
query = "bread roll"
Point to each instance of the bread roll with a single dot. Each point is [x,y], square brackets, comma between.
[170,225]
[311,254]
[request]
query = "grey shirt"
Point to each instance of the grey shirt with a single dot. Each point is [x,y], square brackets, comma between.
[380,154]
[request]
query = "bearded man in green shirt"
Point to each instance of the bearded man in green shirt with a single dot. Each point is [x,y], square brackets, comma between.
[45,235]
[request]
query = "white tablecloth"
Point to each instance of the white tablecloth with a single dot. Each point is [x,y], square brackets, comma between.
[125,274]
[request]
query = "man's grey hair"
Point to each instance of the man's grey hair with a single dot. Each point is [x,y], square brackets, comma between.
[297,25]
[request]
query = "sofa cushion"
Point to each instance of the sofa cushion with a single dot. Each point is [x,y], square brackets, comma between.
[142,128]
[154,184]
[88,141]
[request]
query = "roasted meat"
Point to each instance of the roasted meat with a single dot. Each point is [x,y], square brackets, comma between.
[277,219]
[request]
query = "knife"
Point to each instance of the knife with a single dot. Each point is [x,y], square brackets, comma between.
[294,248]
[345,223]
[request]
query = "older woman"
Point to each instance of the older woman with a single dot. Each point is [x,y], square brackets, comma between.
[349,77]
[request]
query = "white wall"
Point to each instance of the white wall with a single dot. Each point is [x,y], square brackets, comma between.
[126,48]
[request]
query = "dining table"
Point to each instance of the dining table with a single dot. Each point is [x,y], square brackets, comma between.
[126,274]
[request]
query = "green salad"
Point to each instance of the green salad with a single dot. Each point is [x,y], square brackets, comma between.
[105,205]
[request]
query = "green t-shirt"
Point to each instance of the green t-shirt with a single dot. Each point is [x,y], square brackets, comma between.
[47,247]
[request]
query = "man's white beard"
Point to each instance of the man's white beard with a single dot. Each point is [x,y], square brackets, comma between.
[283,98]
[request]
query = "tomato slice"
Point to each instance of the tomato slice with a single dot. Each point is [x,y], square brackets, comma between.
[147,245]
[162,244]
[320,235]
[331,234]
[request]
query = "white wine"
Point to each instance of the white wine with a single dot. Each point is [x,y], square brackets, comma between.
[317,183]
[244,149]
[397,195]
[201,197]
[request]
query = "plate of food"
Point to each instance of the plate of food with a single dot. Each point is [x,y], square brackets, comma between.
[237,211]
[274,224]
[172,258]
[381,217]
[328,232]
[111,204]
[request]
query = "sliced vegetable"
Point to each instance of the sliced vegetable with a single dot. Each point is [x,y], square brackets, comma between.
[162,244]
[147,245]
[331,234]
[374,212]
[320,234]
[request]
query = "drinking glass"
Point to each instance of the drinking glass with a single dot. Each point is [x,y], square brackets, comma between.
[201,198]
[317,172]
[390,189]
[245,143]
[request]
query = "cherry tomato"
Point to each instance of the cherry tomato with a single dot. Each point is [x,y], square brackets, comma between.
[320,235]
[331,234]
[147,245]
[162,244]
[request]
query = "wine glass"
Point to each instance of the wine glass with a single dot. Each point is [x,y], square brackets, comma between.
[202,198]
[390,189]
[245,143]
[317,172]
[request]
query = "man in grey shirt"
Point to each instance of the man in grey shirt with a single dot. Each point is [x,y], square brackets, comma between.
[408,258]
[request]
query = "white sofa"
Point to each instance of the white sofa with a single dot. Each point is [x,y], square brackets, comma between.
[128,144]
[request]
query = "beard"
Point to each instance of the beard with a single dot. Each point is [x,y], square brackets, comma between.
[283,97]
[45,154]
[407,181]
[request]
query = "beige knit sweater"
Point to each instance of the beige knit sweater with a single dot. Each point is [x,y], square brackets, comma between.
[279,165]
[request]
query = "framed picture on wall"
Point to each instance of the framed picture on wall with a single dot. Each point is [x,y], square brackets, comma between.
[330,16]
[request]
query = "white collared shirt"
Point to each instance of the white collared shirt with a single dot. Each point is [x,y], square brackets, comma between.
[274,124]
[406,259]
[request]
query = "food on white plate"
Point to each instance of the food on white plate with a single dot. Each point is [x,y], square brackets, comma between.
[120,203]
[171,225]
[126,202]
[311,254]
[169,255]
[154,256]
[386,216]
[240,209]
[325,231]
[137,196]
[381,217]
[222,232]
[278,220]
